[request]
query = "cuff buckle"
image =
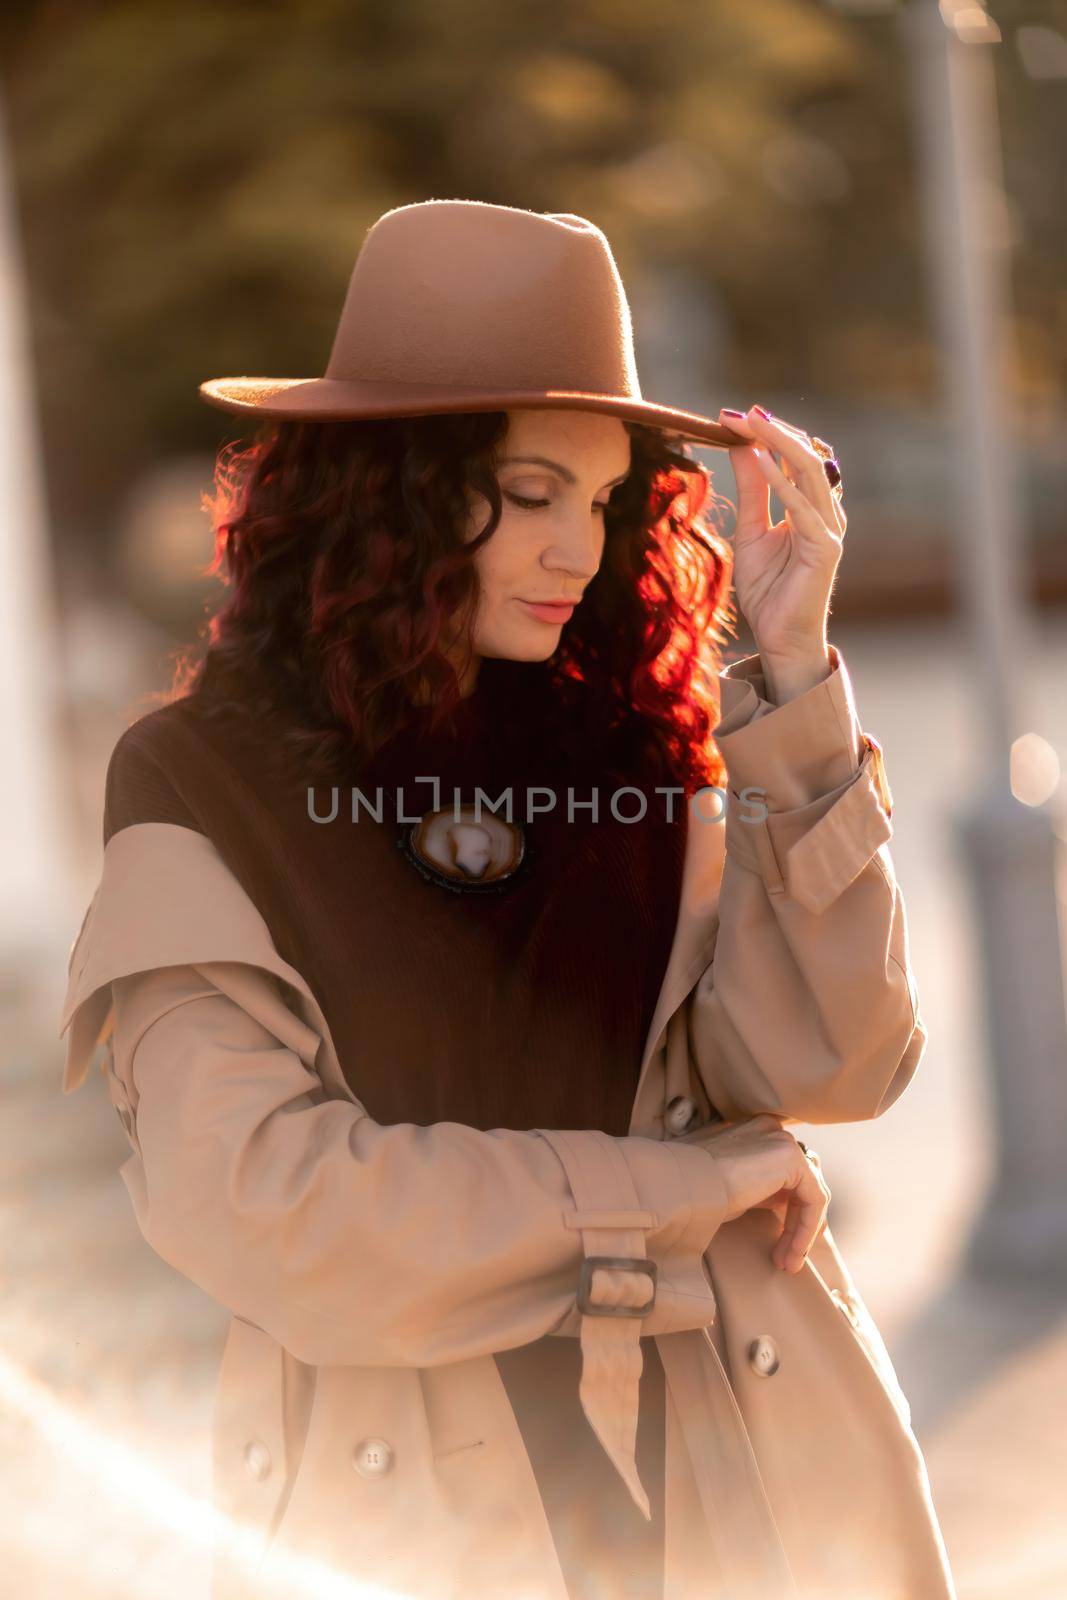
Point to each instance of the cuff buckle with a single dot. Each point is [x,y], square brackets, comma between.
[593,1308]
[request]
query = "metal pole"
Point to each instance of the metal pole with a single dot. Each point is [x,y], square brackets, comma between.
[1012,850]
[35,924]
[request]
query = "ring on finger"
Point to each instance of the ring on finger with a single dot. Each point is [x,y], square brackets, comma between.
[830,464]
[825,452]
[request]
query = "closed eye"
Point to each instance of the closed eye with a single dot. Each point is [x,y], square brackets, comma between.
[537,505]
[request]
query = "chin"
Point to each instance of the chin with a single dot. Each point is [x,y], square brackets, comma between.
[526,648]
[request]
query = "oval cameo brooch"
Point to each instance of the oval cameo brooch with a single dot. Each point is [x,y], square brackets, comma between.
[462,850]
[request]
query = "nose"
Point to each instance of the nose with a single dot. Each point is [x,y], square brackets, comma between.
[576,547]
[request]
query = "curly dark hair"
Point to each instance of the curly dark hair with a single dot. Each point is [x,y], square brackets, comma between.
[342,546]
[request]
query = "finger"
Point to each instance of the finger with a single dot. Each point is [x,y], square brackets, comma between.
[805,1216]
[737,420]
[793,444]
[822,496]
[753,493]
[802,462]
[806,519]
[740,422]
[798,1234]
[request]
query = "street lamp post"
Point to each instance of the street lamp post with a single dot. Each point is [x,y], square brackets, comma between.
[35,909]
[1012,836]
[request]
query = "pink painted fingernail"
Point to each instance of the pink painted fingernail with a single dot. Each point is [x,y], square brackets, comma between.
[766,415]
[727,412]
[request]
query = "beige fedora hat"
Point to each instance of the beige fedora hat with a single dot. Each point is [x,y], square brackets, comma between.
[457,305]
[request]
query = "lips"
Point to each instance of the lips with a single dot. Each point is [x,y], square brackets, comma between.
[551,610]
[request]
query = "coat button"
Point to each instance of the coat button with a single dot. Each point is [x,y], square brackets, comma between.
[679,1113]
[763,1356]
[843,1304]
[257,1459]
[373,1458]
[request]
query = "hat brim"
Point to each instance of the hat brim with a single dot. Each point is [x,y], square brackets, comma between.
[324,399]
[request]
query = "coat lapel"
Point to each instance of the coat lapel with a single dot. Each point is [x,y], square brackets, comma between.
[694,933]
[740,686]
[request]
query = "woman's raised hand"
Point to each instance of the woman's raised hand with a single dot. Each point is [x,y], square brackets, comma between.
[784,572]
[763,1165]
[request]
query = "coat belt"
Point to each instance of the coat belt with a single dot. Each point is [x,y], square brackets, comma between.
[612,1357]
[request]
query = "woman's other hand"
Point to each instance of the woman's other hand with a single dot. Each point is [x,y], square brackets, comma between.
[784,572]
[763,1165]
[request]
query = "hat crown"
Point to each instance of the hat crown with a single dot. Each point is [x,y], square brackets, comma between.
[466,293]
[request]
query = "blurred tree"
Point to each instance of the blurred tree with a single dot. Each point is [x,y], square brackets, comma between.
[195,178]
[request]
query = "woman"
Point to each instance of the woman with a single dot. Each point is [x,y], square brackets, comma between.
[469,1101]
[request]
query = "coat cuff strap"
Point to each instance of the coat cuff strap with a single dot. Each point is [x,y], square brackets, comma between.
[812,854]
[613,1224]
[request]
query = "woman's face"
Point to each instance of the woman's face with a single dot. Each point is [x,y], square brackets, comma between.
[556,471]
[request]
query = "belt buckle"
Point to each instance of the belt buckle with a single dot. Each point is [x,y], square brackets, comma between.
[591,1308]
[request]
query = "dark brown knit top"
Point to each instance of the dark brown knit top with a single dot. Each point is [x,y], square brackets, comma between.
[524,1008]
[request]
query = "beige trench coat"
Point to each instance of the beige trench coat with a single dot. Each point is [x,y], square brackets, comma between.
[363,1440]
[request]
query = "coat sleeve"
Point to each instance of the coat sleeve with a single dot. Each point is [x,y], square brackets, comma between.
[808,1008]
[354,1242]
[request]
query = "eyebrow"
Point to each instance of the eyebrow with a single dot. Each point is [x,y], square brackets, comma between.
[557,466]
